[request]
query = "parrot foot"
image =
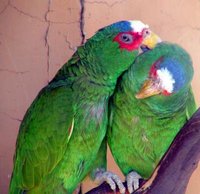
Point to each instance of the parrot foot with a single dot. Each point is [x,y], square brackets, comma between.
[132,180]
[112,179]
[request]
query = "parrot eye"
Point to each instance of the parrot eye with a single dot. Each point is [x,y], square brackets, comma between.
[126,38]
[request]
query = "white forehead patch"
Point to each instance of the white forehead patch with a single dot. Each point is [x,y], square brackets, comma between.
[166,79]
[137,25]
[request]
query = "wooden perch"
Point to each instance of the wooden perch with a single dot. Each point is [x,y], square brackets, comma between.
[176,167]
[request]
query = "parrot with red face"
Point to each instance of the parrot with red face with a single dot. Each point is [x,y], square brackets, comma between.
[61,137]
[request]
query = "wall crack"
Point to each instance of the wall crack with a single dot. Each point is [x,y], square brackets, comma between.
[4,9]
[46,38]
[11,117]
[106,2]
[69,44]
[24,13]
[16,72]
[82,3]
[32,16]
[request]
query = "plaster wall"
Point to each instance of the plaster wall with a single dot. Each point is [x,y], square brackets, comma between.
[38,37]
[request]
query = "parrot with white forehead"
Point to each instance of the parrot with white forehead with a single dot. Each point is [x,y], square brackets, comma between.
[153,100]
[63,131]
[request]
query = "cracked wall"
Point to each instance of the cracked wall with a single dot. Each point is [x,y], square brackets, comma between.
[37,38]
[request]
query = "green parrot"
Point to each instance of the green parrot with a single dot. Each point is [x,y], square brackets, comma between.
[152,102]
[63,129]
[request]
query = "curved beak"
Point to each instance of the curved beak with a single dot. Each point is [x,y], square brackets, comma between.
[150,88]
[150,41]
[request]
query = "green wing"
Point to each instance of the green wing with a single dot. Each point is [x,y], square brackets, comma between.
[43,137]
[191,105]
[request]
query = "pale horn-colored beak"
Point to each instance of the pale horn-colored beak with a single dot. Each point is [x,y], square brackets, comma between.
[149,88]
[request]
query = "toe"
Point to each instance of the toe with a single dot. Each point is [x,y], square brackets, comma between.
[119,183]
[132,181]
[111,183]
[130,186]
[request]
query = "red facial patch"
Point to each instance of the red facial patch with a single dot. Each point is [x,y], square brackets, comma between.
[155,67]
[137,39]
[166,93]
[153,71]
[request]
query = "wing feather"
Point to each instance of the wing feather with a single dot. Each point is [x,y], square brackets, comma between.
[191,104]
[44,135]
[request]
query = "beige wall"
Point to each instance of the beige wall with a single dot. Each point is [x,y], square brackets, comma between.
[37,37]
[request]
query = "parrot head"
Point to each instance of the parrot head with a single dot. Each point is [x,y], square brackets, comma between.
[114,48]
[164,71]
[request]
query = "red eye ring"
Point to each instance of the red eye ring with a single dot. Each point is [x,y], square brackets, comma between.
[131,42]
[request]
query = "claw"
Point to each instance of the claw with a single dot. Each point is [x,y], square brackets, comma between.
[133,181]
[112,179]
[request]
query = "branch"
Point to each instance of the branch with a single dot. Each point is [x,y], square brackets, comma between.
[176,167]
